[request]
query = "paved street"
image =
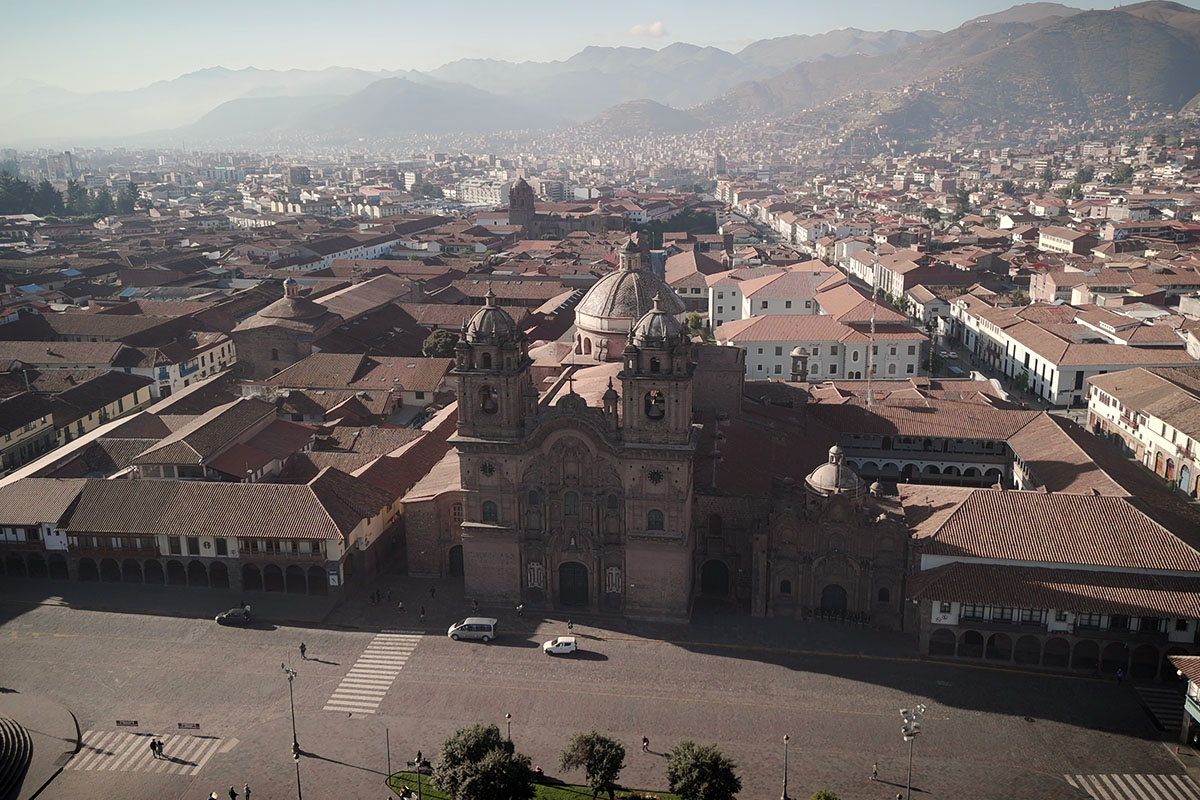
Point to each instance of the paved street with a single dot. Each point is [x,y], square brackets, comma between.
[836,691]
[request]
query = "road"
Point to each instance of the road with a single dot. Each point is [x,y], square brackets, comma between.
[987,730]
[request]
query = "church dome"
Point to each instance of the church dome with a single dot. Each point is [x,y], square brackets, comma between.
[834,477]
[490,322]
[293,307]
[623,297]
[656,325]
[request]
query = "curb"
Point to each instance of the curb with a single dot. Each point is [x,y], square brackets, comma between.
[57,772]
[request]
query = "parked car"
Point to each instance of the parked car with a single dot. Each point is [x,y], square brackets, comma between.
[952,355]
[560,646]
[234,616]
[481,628]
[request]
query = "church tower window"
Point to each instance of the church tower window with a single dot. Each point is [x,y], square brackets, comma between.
[656,404]
[571,504]
[487,400]
[490,512]
[655,520]
[612,502]
[485,360]
[655,365]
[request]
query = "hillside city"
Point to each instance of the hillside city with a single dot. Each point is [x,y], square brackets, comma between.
[845,391]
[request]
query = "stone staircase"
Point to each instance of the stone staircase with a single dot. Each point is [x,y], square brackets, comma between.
[16,750]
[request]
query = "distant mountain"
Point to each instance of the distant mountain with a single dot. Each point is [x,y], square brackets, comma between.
[1029,13]
[786,51]
[640,117]
[246,117]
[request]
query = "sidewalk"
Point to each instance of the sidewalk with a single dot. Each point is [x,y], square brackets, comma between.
[54,732]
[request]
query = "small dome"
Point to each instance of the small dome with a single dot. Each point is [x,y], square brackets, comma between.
[835,452]
[831,478]
[292,307]
[798,351]
[490,322]
[657,326]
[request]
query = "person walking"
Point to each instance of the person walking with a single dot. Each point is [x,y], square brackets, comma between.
[570,626]
[645,744]
[475,606]
[154,748]
[1120,676]
[303,651]
[401,607]
[521,610]
[233,795]
[422,613]
[246,791]
[158,743]
[875,771]
[432,592]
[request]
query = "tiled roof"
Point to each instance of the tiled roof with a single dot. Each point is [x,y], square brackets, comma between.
[1094,591]
[32,501]
[1170,394]
[260,510]
[346,499]
[370,440]
[208,433]
[59,353]
[444,477]
[1057,462]
[1037,527]
[952,419]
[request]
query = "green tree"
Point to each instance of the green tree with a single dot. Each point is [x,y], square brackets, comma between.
[16,195]
[701,772]
[102,203]
[600,757]
[477,763]
[126,201]
[1008,187]
[77,199]
[1018,297]
[824,794]
[1085,174]
[439,344]
[931,215]
[1021,381]
[962,199]
[47,199]
[1122,172]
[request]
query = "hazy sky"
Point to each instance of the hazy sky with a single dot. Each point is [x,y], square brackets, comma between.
[124,44]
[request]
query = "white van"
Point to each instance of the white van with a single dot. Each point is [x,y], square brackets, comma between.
[481,628]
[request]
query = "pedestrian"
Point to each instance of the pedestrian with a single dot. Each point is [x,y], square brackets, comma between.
[154,748]
[233,795]
[432,592]
[159,743]
[645,744]
[401,606]
[875,771]
[475,606]
[246,791]
[422,613]
[521,610]
[570,626]
[1120,676]
[303,651]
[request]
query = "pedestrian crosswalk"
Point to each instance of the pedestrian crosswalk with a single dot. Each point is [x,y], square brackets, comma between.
[122,751]
[1163,704]
[1136,787]
[368,681]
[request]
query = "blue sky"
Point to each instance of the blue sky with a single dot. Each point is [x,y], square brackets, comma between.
[123,44]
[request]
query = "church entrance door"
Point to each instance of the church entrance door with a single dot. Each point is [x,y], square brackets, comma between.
[456,561]
[714,579]
[573,584]
[833,599]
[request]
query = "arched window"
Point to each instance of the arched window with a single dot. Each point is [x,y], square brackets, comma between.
[534,498]
[487,400]
[274,354]
[571,504]
[612,502]
[655,365]
[587,347]
[891,369]
[785,587]
[656,404]
[485,360]
[884,595]
[655,520]
[490,512]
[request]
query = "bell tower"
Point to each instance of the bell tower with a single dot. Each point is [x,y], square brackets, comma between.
[491,365]
[656,382]
[520,205]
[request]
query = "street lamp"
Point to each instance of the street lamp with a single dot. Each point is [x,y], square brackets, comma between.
[785,769]
[508,720]
[291,674]
[909,731]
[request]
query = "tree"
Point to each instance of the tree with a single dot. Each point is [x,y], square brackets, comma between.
[77,199]
[931,215]
[701,772]
[439,344]
[1085,174]
[1008,187]
[824,794]
[1122,172]
[1021,381]
[477,763]
[16,195]
[47,199]
[126,201]
[600,757]
[102,203]
[962,199]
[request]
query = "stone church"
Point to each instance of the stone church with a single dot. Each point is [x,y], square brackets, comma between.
[637,484]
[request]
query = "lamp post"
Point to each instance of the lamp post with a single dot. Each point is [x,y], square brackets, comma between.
[785,766]
[291,675]
[508,721]
[909,731]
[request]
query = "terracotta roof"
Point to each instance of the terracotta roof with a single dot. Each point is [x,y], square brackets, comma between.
[208,433]
[32,501]
[445,477]
[1171,394]
[1091,530]
[1188,665]
[1095,591]
[346,499]
[153,507]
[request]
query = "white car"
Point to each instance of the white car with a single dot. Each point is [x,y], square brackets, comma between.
[559,646]
[952,355]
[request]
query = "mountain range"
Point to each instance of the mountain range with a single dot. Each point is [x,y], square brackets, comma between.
[1026,59]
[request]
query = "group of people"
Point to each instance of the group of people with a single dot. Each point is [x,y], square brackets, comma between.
[156,747]
[233,793]
[380,596]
